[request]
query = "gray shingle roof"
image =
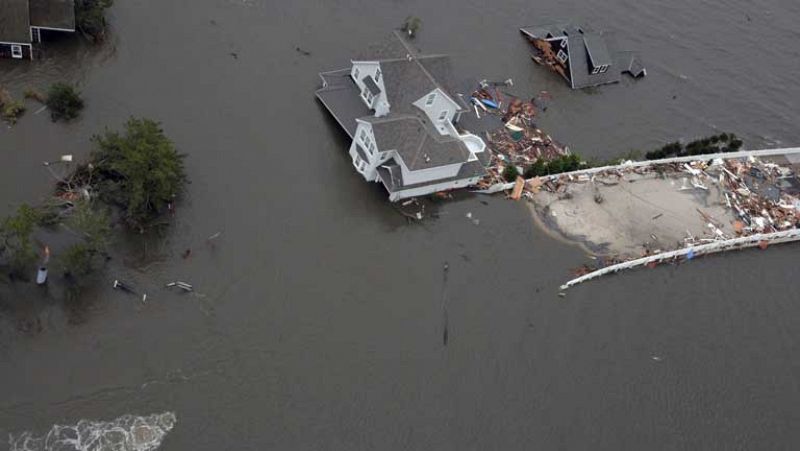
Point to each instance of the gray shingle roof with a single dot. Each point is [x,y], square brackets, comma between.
[341,97]
[596,47]
[53,14]
[585,47]
[418,147]
[15,21]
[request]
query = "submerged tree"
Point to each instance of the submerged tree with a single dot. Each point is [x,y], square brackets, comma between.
[90,17]
[139,170]
[411,26]
[16,247]
[64,101]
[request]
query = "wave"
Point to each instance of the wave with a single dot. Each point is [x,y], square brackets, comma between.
[126,433]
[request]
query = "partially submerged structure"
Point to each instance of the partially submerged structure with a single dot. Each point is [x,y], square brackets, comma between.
[583,57]
[398,108]
[22,22]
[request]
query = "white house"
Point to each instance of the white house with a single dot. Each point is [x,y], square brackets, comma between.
[394,104]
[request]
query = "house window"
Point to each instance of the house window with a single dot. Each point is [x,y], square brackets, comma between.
[363,136]
[443,115]
[16,51]
[367,96]
[431,98]
[597,70]
[603,69]
[563,43]
[359,163]
[378,75]
[372,148]
[355,73]
[562,56]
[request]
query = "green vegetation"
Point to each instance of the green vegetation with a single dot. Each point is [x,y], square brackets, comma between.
[31,93]
[411,26]
[510,173]
[16,248]
[90,17]
[565,163]
[64,102]
[724,142]
[10,109]
[77,261]
[140,170]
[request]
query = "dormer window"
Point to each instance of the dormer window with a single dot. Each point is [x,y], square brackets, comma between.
[355,73]
[378,74]
[431,98]
[562,56]
[443,116]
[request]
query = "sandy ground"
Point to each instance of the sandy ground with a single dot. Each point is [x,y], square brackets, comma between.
[636,213]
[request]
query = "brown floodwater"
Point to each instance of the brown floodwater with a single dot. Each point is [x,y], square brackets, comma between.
[319,314]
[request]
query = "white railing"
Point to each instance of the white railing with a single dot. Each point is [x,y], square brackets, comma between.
[744,242]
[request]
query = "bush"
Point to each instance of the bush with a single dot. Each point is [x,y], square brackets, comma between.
[10,109]
[64,102]
[140,170]
[510,173]
[537,169]
[77,260]
[16,248]
[411,26]
[90,17]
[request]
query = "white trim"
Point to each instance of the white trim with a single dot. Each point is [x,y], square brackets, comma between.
[16,51]
[70,30]
[16,43]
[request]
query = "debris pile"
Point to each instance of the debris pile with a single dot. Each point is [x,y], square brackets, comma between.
[518,142]
[760,196]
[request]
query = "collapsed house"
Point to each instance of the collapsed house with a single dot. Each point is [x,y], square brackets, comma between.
[22,23]
[583,57]
[397,107]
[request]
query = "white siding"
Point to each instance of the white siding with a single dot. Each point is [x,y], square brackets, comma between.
[360,70]
[430,189]
[369,169]
[442,104]
[428,175]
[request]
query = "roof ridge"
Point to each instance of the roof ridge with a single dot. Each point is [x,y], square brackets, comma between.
[419,64]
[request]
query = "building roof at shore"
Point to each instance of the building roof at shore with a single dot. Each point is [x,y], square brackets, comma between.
[58,14]
[15,21]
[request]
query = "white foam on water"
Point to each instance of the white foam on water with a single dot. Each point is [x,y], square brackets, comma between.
[126,433]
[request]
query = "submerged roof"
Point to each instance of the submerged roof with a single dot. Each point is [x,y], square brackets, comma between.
[588,49]
[53,14]
[15,21]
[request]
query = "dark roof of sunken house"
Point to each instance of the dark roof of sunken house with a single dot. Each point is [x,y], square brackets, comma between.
[53,14]
[415,143]
[15,21]
[584,44]
[597,50]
